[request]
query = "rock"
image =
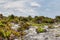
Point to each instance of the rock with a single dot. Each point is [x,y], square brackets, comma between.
[31,31]
[11,37]
[15,39]
[15,26]
[1,38]
[45,27]
[51,34]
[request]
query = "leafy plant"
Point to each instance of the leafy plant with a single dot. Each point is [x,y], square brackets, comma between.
[40,30]
[5,34]
[50,26]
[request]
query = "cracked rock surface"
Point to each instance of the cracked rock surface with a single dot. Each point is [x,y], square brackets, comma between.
[51,34]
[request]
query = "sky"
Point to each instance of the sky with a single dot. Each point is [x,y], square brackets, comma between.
[49,8]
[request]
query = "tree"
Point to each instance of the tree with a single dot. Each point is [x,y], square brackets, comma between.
[57,18]
[29,18]
[48,20]
[1,16]
[38,19]
[24,19]
[11,16]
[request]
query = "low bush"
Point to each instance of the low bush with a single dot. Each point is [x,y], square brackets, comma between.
[40,30]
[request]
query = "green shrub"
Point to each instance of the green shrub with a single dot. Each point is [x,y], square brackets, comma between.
[40,30]
[1,24]
[4,33]
[50,26]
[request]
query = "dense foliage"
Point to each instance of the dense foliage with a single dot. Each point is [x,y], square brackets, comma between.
[24,23]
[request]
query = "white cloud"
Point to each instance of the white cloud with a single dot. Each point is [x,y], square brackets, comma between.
[2,1]
[35,4]
[27,11]
[19,7]
[17,4]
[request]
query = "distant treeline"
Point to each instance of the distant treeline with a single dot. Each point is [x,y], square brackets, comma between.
[36,19]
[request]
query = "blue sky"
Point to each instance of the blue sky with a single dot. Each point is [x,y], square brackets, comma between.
[49,8]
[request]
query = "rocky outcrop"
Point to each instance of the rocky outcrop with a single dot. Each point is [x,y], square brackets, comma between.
[51,34]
